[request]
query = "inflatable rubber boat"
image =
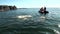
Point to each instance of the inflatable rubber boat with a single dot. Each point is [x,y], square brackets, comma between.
[43,12]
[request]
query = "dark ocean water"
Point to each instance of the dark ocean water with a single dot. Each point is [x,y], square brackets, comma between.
[30,21]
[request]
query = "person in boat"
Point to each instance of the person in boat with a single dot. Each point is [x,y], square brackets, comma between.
[43,10]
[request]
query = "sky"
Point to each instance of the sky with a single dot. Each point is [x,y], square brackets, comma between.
[31,3]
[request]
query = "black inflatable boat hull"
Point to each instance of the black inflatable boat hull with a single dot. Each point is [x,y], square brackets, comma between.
[43,12]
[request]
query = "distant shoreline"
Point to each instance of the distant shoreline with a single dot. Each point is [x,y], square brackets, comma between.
[6,7]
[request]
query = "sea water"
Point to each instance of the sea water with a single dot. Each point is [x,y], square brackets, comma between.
[30,21]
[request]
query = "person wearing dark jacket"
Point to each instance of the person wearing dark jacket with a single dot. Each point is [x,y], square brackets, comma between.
[43,10]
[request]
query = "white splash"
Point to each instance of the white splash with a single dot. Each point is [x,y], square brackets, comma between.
[42,17]
[24,16]
[58,25]
[57,32]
